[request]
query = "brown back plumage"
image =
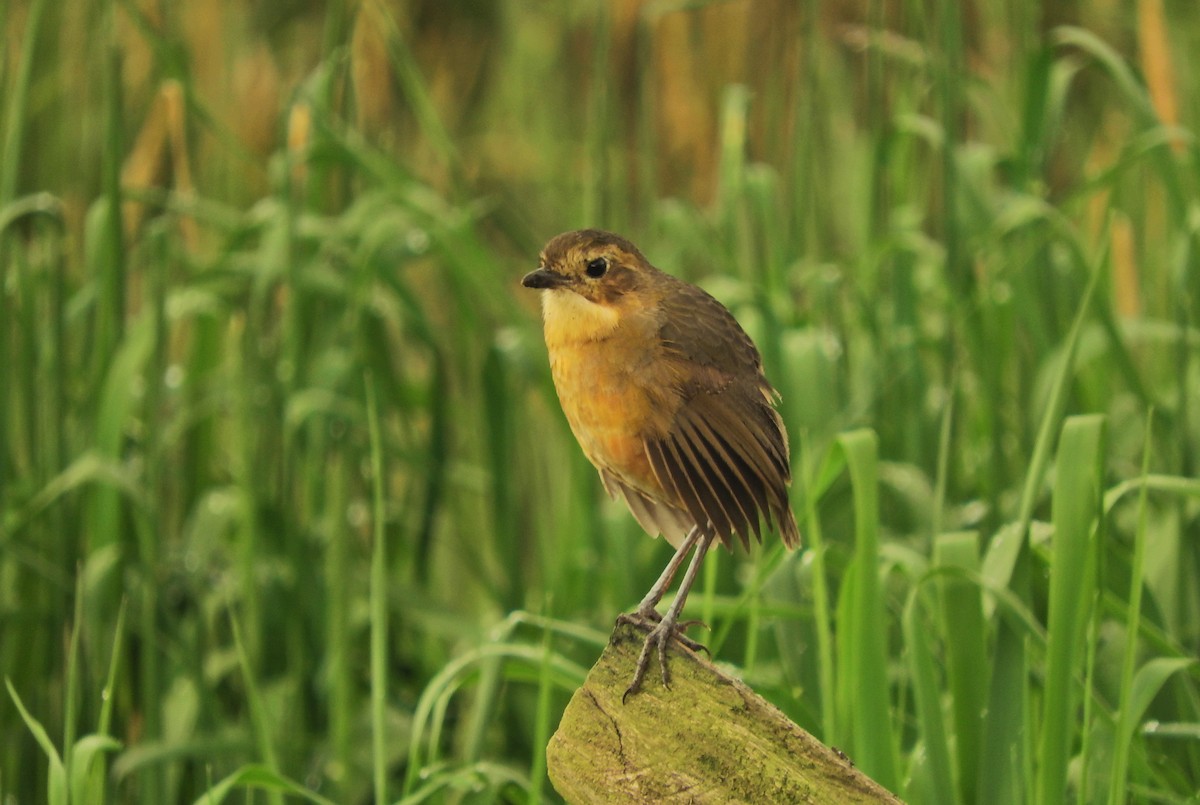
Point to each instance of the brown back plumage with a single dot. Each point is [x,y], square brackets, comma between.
[725,457]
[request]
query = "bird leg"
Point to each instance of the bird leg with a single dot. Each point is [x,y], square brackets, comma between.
[646,616]
[646,610]
[668,627]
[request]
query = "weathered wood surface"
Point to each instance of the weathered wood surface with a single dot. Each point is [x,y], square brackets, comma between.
[707,739]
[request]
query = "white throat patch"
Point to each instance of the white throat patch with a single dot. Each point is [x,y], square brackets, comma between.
[571,318]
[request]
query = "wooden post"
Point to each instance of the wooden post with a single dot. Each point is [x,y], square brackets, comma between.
[707,739]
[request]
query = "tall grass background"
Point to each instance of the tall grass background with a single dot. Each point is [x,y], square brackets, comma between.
[288,510]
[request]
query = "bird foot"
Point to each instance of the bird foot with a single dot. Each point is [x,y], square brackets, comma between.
[660,632]
[648,620]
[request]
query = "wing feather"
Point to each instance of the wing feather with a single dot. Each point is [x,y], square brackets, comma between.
[730,470]
[685,481]
[720,504]
[744,483]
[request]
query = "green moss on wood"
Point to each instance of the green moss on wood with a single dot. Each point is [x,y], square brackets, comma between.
[707,739]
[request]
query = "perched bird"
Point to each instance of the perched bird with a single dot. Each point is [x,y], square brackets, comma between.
[666,395]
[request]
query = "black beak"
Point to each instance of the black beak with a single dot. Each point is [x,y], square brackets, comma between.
[543,278]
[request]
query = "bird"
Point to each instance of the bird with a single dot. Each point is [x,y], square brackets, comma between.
[666,395]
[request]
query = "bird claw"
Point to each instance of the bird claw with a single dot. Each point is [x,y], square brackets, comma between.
[689,642]
[647,621]
[660,633]
[642,618]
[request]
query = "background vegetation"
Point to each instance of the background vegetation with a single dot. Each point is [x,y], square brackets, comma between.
[287,501]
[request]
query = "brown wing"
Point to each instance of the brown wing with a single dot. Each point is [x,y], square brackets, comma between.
[724,457]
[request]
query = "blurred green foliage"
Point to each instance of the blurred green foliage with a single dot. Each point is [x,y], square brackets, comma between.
[965,237]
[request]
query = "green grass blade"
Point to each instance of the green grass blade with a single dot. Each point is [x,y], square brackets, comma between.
[85,787]
[1007,733]
[950,85]
[1010,545]
[341,681]
[1135,94]
[15,112]
[57,775]
[1150,679]
[1125,718]
[261,777]
[501,431]
[426,726]
[927,691]
[115,409]
[593,205]
[109,252]
[998,564]
[378,604]
[865,678]
[104,722]
[1007,725]
[1076,510]
[72,691]
[967,664]
[1171,484]
[259,717]
[942,474]
[822,611]
[412,82]
[543,720]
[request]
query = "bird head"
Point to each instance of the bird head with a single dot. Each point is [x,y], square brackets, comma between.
[598,266]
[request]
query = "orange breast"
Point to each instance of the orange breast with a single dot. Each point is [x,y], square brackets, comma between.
[610,410]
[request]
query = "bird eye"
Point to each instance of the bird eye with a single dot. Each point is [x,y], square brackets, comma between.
[597,267]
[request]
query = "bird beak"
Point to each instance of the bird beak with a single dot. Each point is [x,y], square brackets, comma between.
[543,278]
